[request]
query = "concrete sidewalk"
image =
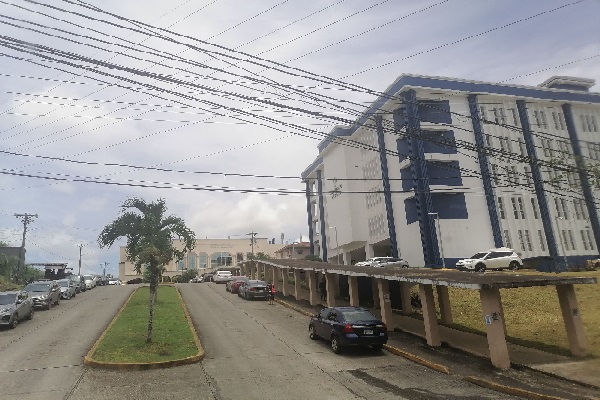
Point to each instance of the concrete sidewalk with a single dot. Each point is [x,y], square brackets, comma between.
[533,372]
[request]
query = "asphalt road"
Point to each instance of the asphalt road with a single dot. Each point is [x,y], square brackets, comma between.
[255,351]
[43,358]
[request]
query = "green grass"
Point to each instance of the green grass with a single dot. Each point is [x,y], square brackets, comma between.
[533,316]
[173,339]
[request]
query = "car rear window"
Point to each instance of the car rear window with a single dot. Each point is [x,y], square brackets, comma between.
[8,298]
[37,287]
[358,315]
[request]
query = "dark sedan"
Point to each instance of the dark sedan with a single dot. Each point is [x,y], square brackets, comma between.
[348,326]
[15,306]
[253,290]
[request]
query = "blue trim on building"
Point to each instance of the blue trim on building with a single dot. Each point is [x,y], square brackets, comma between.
[585,182]
[441,83]
[420,179]
[387,195]
[314,165]
[484,166]
[538,182]
[310,217]
[323,241]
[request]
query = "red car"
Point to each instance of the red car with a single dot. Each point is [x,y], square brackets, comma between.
[233,285]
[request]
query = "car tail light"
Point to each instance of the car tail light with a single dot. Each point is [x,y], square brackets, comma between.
[348,328]
[382,327]
[252,289]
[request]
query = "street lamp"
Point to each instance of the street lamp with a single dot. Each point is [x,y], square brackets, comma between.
[337,245]
[439,236]
[80,245]
[562,243]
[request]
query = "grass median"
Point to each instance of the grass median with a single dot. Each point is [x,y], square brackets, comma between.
[173,338]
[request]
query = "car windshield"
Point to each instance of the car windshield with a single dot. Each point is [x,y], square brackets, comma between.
[7,298]
[478,256]
[37,287]
[358,315]
[63,283]
[87,277]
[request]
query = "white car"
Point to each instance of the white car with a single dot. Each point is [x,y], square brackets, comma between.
[114,281]
[500,258]
[222,276]
[381,262]
[90,283]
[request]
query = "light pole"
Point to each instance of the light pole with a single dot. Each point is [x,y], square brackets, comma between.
[562,243]
[439,236]
[80,247]
[337,245]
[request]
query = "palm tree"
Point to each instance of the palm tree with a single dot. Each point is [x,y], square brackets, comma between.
[149,241]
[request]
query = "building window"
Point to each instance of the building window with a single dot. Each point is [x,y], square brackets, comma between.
[515,116]
[572,240]
[573,179]
[495,173]
[522,147]
[542,240]
[180,265]
[513,175]
[564,239]
[221,259]
[482,115]
[547,147]
[499,116]
[528,240]
[521,239]
[589,237]
[534,207]
[501,208]
[584,240]
[489,140]
[518,207]
[540,119]
[202,260]
[521,207]
[191,261]
[507,240]
[513,201]
[528,178]
[594,151]
[505,144]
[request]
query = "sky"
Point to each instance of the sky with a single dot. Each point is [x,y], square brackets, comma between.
[217,106]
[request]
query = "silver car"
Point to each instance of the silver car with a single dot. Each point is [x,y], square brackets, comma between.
[67,289]
[44,294]
[15,306]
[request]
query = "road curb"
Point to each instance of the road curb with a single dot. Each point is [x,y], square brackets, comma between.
[509,389]
[89,361]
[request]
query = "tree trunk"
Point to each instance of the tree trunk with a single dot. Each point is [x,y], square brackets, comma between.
[153,290]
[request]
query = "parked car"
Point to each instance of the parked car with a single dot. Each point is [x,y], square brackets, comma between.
[114,281]
[67,289]
[500,258]
[44,294]
[234,284]
[15,306]
[222,277]
[196,279]
[207,277]
[135,281]
[348,326]
[380,262]
[389,262]
[253,289]
[76,281]
[90,282]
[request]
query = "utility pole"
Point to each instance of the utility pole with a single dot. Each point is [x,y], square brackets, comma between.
[252,240]
[25,219]
[104,270]
[80,245]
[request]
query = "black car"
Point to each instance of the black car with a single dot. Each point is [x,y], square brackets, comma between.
[348,326]
[253,289]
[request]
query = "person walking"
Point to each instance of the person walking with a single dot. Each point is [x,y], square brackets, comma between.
[323,289]
[271,294]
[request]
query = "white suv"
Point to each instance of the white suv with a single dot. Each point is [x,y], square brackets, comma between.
[222,277]
[501,258]
[382,262]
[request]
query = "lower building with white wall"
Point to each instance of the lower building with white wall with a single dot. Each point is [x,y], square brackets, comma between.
[445,168]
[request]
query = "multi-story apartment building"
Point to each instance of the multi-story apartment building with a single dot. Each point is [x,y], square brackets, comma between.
[443,168]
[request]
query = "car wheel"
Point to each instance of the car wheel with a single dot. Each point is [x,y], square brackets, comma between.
[311,332]
[480,268]
[49,306]
[335,345]
[14,322]
[405,266]
[30,316]
[377,347]
[513,266]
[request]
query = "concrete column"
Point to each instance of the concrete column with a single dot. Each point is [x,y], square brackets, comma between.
[347,257]
[432,329]
[285,287]
[353,290]
[313,296]
[330,281]
[444,302]
[276,273]
[491,305]
[337,285]
[369,251]
[385,302]
[405,297]
[297,288]
[572,319]
[375,293]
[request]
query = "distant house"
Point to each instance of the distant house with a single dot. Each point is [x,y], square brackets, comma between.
[294,250]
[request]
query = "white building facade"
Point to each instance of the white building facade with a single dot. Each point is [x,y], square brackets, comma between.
[438,169]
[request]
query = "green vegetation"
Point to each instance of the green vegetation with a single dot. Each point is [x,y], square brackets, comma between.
[533,316]
[150,236]
[125,342]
